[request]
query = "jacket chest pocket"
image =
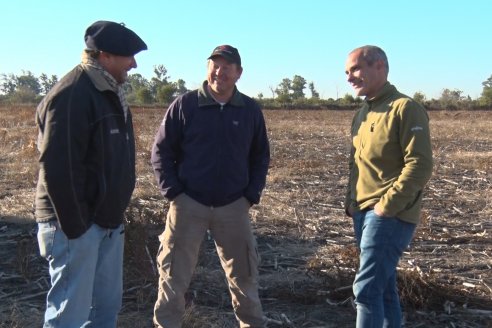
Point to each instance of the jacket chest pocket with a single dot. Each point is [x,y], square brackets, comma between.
[381,141]
[115,137]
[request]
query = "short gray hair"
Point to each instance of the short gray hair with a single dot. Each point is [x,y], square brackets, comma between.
[372,54]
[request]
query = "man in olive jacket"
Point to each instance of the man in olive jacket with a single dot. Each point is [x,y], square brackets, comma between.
[86,178]
[390,163]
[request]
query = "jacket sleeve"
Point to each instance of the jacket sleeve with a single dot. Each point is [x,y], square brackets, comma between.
[259,159]
[166,152]
[349,202]
[416,148]
[63,143]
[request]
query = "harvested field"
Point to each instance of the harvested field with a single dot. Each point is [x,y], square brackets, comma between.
[305,240]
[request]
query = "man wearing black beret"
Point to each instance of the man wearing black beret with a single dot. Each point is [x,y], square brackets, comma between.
[86,178]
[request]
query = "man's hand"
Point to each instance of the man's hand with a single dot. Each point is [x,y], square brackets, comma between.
[378,210]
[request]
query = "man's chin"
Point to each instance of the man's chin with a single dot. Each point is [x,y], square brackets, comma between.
[359,92]
[123,79]
[217,89]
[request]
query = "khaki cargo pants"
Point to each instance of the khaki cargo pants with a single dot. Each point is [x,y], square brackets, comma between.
[186,225]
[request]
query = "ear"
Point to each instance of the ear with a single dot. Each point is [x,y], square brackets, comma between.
[104,59]
[105,56]
[379,64]
[239,71]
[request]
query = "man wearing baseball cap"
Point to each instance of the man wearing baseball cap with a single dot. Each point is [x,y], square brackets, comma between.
[210,157]
[86,178]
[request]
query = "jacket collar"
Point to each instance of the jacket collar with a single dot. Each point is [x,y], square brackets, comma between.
[206,99]
[101,79]
[386,92]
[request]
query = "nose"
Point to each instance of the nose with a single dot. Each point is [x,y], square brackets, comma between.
[350,76]
[133,63]
[220,71]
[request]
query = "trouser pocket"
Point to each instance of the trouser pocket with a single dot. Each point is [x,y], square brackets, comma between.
[46,237]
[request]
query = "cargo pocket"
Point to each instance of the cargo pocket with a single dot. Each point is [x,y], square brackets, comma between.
[46,237]
[165,255]
[253,259]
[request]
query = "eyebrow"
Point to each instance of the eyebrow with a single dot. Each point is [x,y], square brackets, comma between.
[352,68]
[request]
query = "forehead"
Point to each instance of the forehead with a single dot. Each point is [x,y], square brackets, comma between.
[355,59]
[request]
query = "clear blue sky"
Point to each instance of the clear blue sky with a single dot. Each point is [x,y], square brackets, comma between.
[431,44]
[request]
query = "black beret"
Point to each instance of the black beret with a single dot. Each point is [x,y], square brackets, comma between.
[113,38]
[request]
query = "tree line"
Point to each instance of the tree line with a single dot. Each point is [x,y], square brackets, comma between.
[160,90]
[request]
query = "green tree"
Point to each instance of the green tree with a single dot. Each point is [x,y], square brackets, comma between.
[486,98]
[283,91]
[160,72]
[24,88]
[47,82]
[166,93]
[29,81]
[136,81]
[419,97]
[298,85]
[181,87]
[23,95]
[160,79]
[348,99]
[451,99]
[143,96]
[138,89]
[9,83]
[314,93]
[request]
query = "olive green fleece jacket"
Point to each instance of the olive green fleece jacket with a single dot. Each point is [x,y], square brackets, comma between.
[391,156]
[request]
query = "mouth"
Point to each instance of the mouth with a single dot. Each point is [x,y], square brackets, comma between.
[219,83]
[357,84]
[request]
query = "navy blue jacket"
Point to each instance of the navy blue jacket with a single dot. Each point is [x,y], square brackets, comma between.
[214,153]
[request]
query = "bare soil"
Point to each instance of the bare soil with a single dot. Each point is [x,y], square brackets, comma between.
[305,240]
